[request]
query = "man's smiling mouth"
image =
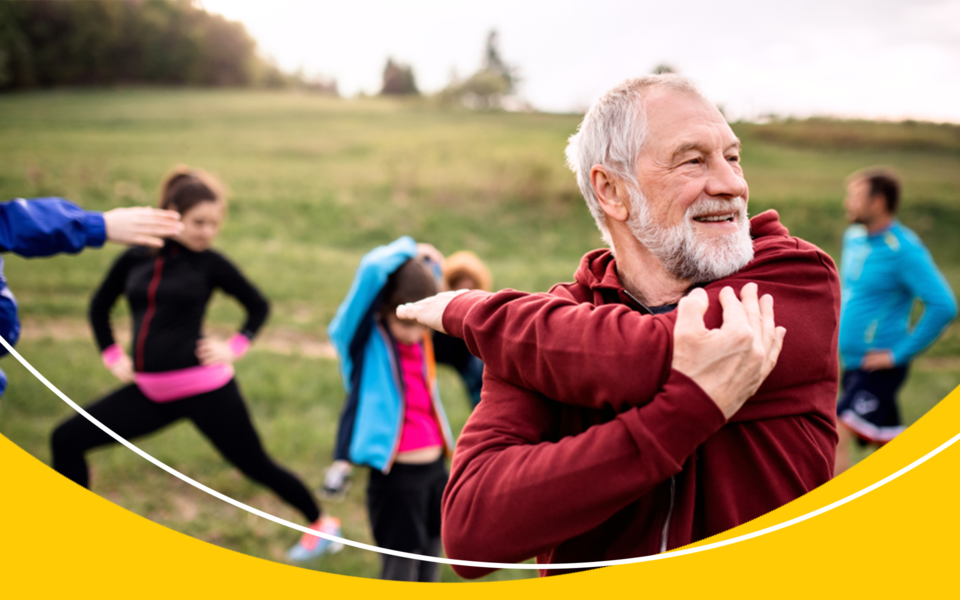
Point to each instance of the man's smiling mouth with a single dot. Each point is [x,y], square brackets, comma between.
[715,218]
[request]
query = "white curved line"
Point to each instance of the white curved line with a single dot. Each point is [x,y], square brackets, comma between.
[470,563]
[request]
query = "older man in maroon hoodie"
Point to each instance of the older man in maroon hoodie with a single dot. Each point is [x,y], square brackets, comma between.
[601,434]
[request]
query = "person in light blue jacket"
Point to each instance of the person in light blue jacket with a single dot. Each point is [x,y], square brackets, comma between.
[48,226]
[393,420]
[884,270]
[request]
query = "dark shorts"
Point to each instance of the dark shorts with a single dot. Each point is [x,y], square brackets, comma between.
[404,505]
[868,404]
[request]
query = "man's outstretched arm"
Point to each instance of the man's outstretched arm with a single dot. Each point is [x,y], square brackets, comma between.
[600,356]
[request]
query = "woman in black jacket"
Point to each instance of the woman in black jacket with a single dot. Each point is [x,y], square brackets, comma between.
[172,372]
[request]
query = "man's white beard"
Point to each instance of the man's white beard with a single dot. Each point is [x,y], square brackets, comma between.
[683,251]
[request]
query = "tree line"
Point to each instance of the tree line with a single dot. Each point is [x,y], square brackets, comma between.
[47,43]
[59,43]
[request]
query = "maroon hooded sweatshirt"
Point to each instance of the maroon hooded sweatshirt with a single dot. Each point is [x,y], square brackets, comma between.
[587,446]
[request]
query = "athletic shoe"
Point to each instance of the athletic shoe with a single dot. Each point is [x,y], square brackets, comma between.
[312,546]
[336,482]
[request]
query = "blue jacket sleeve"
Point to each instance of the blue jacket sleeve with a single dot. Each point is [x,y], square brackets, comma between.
[925,281]
[46,226]
[370,278]
[9,320]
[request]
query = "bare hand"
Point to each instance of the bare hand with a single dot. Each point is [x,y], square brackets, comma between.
[434,260]
[731,362]
[876,360]
[141,225]
[122,369]
[429,311]
[429,251]
[214,352]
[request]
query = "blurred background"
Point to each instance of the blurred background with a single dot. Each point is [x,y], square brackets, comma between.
[339,128]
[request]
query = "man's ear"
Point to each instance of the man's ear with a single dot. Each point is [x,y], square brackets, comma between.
[612,193]
[878,204]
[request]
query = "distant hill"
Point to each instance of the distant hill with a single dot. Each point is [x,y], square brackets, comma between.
[828,133]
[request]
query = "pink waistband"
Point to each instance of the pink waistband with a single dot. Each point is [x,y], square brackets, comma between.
[167,386]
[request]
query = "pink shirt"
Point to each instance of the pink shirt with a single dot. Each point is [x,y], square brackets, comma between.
[420,427]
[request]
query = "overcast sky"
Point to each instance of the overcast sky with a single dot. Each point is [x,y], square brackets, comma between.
[875,59]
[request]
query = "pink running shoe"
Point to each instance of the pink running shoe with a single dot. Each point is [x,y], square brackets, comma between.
[311,546]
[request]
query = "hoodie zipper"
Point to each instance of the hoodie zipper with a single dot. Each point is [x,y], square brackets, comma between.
[666,523]
[640,304]
[398,381]
[151,309]
[665,532]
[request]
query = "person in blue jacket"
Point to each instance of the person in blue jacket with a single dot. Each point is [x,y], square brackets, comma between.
[48,226]
[884,269]
[393,420]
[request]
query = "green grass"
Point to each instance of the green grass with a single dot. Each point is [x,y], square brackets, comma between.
[294,403]
[316,182]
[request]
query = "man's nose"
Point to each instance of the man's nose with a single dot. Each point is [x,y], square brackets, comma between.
[726,180]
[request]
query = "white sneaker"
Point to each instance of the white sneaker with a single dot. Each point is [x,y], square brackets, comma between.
[336,481]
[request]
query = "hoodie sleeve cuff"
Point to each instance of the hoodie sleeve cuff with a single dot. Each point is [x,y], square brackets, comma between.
[111,355]
[680,418]
[239,344]
[96,229]
[456,312]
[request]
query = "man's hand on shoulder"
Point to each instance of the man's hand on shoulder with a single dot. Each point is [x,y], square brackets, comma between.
[731,362]
[429,311]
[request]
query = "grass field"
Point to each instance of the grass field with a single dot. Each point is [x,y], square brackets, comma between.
[316,182]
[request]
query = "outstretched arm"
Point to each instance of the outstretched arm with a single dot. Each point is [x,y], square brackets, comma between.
[141,225]
[46,226]
[699,357]
[611,356]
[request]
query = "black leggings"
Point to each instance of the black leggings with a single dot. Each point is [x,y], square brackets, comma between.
[220,415]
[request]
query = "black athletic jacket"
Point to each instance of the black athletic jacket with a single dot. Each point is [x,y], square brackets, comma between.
[168,292]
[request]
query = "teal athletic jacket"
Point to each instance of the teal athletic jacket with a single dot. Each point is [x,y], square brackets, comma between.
[372,417]
[881,275]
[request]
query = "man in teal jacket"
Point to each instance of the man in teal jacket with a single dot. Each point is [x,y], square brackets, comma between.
[884,269]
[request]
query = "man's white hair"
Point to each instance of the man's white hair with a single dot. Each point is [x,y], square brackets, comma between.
[613,133]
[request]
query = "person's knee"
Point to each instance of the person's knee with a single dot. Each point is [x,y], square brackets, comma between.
[64,437]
